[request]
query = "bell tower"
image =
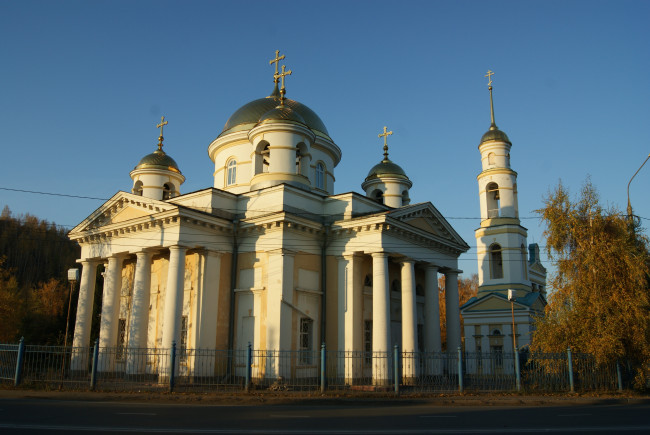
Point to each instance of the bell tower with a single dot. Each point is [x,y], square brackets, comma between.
[501,240]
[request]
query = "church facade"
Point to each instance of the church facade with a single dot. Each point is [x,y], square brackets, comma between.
[269,255]
[512,280]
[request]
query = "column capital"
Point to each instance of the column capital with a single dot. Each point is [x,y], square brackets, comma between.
[178,248]
[145,253]
[406,260]
[430,266]
[350,255]
[282,251]
[89,261]
[379,254]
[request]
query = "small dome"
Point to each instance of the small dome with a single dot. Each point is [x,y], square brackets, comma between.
[495,134]
[250,114]
[281,114]
[158,160]
[386,168]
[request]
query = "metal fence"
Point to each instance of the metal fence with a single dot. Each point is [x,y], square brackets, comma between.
[204,370]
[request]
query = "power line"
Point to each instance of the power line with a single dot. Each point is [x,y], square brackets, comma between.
[259,210]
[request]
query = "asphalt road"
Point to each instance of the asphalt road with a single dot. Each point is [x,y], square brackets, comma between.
[52,416]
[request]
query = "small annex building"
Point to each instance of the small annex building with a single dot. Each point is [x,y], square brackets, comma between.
[506,265]
[269,255]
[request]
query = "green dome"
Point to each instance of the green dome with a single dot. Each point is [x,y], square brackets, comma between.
[158,160]
[386,168]
[281,114]
[250,114]
[495,134]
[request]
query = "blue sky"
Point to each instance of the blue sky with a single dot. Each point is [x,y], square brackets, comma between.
[85,82]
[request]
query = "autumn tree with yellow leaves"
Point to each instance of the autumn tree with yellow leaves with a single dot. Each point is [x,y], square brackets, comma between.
[600,291]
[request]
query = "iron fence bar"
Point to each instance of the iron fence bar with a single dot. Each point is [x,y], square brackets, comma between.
[172,366]
[570,367]
[396,368]
[19,362]
[461,387]
[322,369]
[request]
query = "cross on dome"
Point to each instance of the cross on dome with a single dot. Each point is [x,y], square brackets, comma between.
[160,126]
[385,135]
[281,76]
[276,61]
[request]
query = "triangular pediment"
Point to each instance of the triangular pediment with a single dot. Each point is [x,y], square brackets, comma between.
[426,217]
[488,303]
[425,225]
[122,207]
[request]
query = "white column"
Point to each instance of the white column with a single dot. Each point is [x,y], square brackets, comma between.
[409,321]
[279,315]
[84,321]
[173,301]
[206,316]
[453,311]
[380,319]
[138,324]
[353,317]
[110,312]
[432,341]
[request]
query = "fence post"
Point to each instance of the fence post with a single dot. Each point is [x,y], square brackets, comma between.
[93,369]
[172,362]
[249,363]
[19,362]
[570,363]
[517,370]
[461,387]
[323,372]
[619,377]
[396,367]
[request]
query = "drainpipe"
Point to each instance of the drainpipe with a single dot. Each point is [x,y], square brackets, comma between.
[233,286]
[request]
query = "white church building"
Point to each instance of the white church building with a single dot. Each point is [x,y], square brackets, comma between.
[512,280]
[271,255]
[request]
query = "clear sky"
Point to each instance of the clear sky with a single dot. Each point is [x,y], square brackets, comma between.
[83,84]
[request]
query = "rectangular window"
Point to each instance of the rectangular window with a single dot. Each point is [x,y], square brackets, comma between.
[367,342]
[121,339]
[306,340]
[497,356]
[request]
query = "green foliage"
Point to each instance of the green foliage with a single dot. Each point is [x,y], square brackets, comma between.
[600,300]
[34,258]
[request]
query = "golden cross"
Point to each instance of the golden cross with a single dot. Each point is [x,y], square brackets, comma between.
[385,135]
[276,61]
[282,75]
[489,76]
[162,124]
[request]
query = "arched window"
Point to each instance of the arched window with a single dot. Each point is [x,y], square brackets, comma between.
[320,175]
[491,159]
[298,161]
[405,198]
[266,158]
[231,173]
[496,262]
[492,192]
[137,188]
[168,191]
[378,196]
